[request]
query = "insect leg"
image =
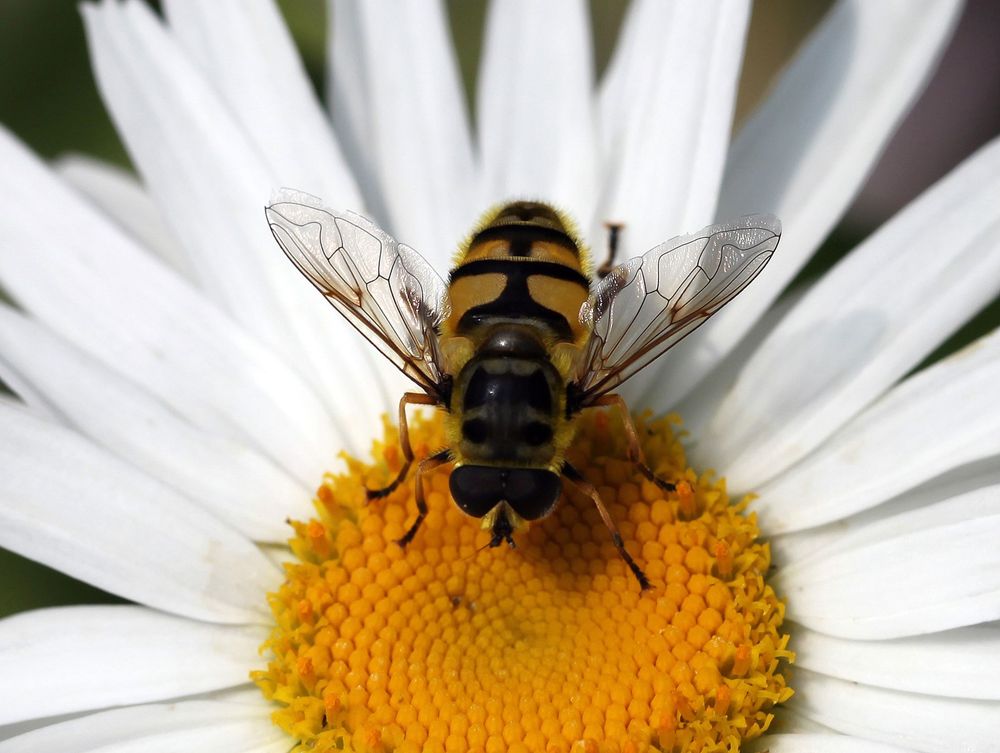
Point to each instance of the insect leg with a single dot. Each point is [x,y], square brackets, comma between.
[408,398]
[634,450]
[425,465]
[590,490]
[614,234]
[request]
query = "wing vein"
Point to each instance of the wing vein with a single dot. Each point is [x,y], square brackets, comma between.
[385,290]
[648,304]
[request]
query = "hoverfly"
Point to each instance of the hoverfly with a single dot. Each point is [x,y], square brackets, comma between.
[519,340]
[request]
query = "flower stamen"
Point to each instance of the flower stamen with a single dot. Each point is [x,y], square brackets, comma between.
[451,646]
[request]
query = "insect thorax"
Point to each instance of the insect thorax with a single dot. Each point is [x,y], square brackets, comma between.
[507,400]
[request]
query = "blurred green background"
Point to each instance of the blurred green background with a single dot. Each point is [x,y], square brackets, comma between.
[48,98]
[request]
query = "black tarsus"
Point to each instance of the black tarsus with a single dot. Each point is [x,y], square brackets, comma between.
[574,475]
[614,236]
[442,456]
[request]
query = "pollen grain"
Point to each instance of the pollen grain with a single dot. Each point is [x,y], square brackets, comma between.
[544,648]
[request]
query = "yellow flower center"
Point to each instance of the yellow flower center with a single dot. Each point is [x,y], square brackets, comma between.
[551,646]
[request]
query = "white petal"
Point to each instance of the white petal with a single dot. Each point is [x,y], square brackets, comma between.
[698,408]
[8,731]
[245,694]
[160,728]
[76,272]
[348,98]
[67,504]
[278,554]
[864,325]
[792,547]
[933,569]
[942,504]
[74,659]
[535,113]
[118,193]
[231,480]
[13,403]
[245,49]
[805,153]
[29,399]
[787,721]
[921,722]
[818,743]
[942,418]
[666,109]
[212,185]
[961,663]
[418,132]
[141,78]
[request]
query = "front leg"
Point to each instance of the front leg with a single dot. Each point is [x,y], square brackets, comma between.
[427,464]
[408,398]
[634,449]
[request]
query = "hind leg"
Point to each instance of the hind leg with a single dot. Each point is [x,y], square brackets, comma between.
[634,449]
[573,475]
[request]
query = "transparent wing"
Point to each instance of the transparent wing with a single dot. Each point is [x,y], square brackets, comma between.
[650,303]
[383,288]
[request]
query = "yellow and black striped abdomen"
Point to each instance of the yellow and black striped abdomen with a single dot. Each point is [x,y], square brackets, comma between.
[524,267]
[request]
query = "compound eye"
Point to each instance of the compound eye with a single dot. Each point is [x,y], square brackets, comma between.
[532,492]
[476,489]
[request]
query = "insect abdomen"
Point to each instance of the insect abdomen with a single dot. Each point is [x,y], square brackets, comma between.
[522,267]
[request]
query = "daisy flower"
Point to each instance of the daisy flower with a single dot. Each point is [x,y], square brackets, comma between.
[180,394]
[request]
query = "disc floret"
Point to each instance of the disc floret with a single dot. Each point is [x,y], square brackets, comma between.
[449,645]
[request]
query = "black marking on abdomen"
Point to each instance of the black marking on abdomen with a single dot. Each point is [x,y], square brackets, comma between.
[520,270]
[515,302]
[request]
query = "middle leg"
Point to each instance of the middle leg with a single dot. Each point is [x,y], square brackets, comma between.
[590,490]
[634,449]
[425,465]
